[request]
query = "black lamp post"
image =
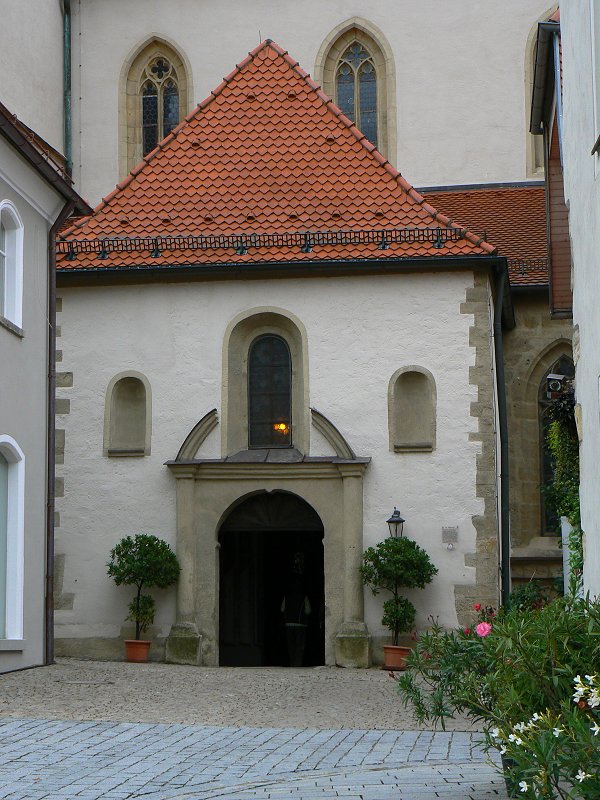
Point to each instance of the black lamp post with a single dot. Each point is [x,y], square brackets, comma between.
[396,523]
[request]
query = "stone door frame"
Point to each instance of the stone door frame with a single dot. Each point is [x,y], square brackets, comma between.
[207,491]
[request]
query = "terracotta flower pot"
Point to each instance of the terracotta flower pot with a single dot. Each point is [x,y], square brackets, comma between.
[395,656]
[136,650]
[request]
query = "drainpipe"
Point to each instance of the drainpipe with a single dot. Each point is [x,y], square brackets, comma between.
[68,137]
[501,286]
[49,609]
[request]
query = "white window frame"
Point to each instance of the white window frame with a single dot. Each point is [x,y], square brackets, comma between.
[12,306]
[15,540]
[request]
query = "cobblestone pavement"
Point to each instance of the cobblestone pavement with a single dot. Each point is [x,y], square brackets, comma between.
[92,731]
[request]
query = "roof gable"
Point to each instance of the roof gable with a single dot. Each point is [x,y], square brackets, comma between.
[266,169]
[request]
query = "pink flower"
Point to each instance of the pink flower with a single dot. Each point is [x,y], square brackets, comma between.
[467,631]
[477,606]
[483,629]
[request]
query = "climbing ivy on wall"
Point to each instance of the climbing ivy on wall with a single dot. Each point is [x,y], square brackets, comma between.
[563,492]
[563,443]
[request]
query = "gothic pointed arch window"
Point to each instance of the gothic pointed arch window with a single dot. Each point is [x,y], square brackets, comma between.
[154,100]
[355,66]
[356,88]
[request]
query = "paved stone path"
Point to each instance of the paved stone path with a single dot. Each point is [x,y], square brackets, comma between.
[76,731]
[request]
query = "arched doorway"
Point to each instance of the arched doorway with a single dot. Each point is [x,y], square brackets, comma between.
[271,583]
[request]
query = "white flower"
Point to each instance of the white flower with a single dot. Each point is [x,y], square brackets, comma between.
[495,733]
[535,718]
[595,728]
[578,694]
[577,680]
[520,726]
[557,731]
[502,750]
[594,698]
[523,786]
[581,776]
[590,679]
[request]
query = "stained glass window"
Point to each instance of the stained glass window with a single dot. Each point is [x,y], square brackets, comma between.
[160,102]
[269,393]
[356,89]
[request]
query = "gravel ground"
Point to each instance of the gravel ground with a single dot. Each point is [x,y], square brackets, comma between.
[320,697]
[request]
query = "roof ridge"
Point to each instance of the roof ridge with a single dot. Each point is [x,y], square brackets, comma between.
[406,187]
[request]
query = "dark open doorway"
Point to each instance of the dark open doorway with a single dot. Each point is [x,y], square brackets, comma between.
[272,592]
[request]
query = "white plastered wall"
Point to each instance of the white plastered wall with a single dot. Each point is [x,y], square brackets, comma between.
[582,192]
[360,331]
[459,83]
[31,65]
[23,410]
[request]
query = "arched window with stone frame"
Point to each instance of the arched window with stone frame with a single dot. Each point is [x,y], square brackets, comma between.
[269,392]
[154,98]
[355,66]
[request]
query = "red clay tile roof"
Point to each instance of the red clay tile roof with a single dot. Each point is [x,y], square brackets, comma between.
[267,155]
[513,218]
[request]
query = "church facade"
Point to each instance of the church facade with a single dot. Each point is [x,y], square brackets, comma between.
[274,227]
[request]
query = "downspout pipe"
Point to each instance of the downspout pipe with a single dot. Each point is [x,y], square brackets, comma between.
[501,289]
[67,115]
[66,212]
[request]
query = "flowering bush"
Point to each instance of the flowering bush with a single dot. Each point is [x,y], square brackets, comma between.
[555,753]
[515,675]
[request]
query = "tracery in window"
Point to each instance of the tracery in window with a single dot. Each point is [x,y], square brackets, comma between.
[355,66]
[159,96]
[356,89]
[154,98]
[269,393]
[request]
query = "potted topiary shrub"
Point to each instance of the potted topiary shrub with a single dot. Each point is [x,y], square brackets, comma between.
[391,565]
[142,561]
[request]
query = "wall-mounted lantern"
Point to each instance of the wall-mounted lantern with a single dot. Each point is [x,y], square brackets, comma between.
[396,523]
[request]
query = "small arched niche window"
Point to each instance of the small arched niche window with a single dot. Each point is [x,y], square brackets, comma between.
[560,376]
[356,88]
[11,264]
[412,410]
[127,423]
[269,392]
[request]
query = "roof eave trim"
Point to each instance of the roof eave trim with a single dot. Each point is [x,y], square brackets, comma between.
[233,271]
[15,138]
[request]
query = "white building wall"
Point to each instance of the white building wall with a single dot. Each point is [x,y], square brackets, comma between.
[582,191]
[360,331]
[460,76]
[31,65]
[23,400]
